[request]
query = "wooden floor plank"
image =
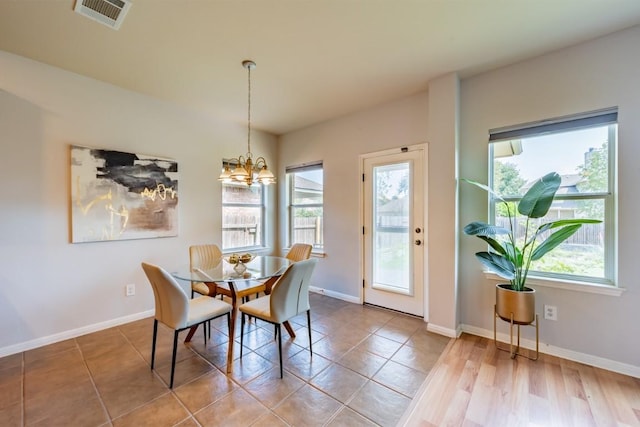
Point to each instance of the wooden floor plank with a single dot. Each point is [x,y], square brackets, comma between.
[474,385]
[602,413]
[617,400]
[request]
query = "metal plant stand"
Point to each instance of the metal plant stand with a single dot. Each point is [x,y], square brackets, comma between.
[515,351]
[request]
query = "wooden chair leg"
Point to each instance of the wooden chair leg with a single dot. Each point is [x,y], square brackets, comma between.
[173,357]
[241,333]
[287,326]
[153,346]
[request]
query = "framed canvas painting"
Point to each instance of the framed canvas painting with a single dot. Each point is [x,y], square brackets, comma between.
[117,195]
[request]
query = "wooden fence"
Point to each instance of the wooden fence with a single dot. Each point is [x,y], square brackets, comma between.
[308,230]
[241,231]
[588,234]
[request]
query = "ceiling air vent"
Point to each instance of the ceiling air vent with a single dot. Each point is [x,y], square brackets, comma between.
[108,12]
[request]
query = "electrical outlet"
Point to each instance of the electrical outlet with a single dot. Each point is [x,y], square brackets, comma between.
[130,289]
[550,312]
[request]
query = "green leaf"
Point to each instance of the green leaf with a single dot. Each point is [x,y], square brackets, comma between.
[554,240]
[514,254]
[479,228]
[564,222]
[497,264]
[537,201]
[495,245]
[485,188]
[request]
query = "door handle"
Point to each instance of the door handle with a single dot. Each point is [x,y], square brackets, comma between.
[418,242]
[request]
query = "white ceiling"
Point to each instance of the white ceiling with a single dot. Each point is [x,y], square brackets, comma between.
[316,59]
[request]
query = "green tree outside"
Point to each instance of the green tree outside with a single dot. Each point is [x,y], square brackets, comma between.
[594,172]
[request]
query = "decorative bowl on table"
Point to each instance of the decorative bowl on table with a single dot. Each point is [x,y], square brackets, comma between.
[239,258]
[238,261]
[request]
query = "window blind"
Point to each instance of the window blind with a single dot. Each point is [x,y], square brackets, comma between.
[560,124]
[304,167]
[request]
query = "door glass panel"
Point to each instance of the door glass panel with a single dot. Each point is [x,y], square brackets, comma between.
[391,229]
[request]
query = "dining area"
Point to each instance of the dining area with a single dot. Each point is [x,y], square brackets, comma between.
[224,285]
[365,367]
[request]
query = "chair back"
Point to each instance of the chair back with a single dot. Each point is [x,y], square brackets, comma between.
[204,256]
[290,294]
[303,294]
[172,304]
[299,252]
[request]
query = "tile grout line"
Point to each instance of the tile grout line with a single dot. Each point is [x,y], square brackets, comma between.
[193,414]
[93,383]
[333,360]
[169,391]
[393,323]
[155,373]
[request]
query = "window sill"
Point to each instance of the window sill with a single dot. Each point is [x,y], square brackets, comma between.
[314,254]
[567,285]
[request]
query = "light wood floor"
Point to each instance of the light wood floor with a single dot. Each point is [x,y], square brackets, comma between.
[474,384]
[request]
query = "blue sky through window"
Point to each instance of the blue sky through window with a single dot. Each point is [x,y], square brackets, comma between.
[560,152]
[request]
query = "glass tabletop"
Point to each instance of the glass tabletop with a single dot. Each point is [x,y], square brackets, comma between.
[221,270]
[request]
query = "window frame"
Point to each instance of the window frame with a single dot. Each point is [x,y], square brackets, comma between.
[608,284]
[290,171]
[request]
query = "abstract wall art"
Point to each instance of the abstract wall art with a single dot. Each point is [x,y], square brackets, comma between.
[118,196]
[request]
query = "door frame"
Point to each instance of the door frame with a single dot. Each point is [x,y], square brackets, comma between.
[425,177]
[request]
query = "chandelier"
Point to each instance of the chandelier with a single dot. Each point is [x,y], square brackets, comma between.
[245,169]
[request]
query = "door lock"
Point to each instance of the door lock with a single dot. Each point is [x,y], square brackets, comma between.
[418,229]
[418,242]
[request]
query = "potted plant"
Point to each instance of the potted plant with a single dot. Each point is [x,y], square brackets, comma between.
[510,257]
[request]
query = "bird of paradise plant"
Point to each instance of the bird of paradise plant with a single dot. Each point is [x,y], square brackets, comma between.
[509,258]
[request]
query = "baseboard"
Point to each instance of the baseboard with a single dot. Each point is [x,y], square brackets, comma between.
[587,359]
[441,330]
[334,294]
[51,339]
[437,329]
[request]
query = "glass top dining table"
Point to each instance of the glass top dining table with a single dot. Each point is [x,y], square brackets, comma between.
[235,282]
[259,268]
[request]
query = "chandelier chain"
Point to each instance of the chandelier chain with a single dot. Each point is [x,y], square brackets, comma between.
[246,170]
[249,112]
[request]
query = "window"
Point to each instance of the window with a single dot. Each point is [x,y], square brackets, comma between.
[242,216]
[305,186]
[582,150]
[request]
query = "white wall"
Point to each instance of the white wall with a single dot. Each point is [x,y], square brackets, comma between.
[339,143]
[601,73]
[441,206]
[426,117]
[49,288]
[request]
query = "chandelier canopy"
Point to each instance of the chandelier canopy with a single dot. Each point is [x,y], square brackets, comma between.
[245,169]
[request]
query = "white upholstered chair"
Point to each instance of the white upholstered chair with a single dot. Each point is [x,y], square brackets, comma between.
[203,257]
[175,310]
[289,297]
[297,252]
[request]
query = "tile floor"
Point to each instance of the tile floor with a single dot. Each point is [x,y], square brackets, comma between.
[367,365]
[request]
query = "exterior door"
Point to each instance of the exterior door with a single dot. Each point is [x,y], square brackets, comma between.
[394,235]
